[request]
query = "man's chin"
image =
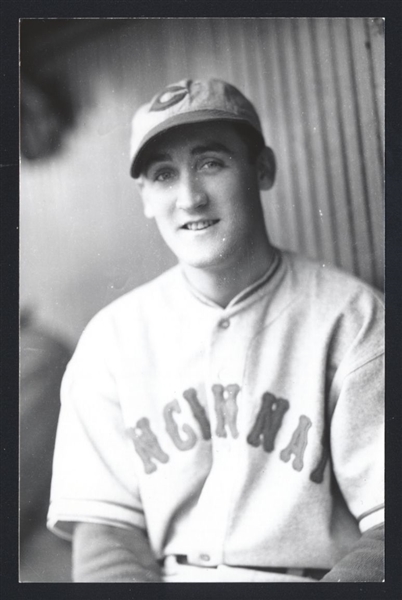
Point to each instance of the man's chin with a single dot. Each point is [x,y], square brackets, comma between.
[204,263]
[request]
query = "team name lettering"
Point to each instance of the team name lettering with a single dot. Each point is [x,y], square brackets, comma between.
[198,412]
[297,444]
[173,430]
[263,432]
[317,475]
[268,422]
[147,445]
[226,408]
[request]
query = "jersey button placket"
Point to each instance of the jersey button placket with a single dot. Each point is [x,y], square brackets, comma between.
[211,539]
[223,374]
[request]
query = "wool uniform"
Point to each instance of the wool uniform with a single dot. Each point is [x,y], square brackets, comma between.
[246,440]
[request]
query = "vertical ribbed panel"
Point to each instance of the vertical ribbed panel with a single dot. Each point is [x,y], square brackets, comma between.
[319,86]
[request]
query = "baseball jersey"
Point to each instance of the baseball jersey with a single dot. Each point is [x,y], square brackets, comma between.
[244,436]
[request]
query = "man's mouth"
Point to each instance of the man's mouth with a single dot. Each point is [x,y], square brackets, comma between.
[198,225]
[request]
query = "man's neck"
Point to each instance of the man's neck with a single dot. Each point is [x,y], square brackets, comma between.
[221,285]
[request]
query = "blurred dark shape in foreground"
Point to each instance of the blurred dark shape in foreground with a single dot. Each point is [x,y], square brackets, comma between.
[46,114]
[50,99]
[43,360]
[46,100]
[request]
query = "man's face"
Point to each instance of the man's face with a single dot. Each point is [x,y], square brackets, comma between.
[204,193]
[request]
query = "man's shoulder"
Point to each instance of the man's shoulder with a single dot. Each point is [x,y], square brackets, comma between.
[148,294]
[326,287]
[143,300]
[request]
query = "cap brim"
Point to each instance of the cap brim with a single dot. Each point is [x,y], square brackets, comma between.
[200,116]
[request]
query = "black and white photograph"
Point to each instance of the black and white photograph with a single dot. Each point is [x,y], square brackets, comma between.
[201,300]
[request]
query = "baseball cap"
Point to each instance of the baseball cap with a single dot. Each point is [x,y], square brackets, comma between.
[184,102]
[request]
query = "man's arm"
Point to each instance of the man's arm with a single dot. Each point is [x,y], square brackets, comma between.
[102,553]
[365,562]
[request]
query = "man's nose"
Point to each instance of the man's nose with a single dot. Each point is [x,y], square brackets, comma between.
[191,194]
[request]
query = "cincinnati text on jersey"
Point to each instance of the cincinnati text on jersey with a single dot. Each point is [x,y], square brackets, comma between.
[263,432]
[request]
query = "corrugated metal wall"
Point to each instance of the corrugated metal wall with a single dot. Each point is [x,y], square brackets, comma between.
[319,87]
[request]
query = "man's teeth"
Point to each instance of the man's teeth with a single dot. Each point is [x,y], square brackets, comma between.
[194,226]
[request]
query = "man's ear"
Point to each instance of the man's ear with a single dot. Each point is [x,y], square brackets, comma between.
[148,212]
[266,167]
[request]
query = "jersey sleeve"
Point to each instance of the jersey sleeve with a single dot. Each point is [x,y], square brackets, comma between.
[357,427]
[93,474]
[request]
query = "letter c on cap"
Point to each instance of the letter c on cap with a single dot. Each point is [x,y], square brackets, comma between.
[169,97]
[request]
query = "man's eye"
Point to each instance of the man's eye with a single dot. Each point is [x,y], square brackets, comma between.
[211,164]
[163,176]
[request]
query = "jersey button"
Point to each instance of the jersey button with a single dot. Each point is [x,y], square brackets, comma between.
[205,557]
[224,324]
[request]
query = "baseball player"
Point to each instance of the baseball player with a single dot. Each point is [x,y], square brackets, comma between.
[224,421]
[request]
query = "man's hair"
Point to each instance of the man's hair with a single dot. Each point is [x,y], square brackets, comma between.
[253,140]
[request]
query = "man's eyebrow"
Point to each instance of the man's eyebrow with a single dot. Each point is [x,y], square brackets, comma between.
[155,158]
[211,147]
[196,151]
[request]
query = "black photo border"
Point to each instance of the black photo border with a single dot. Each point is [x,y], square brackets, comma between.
[11,11]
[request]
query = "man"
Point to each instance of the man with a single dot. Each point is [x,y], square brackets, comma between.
[223,422]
